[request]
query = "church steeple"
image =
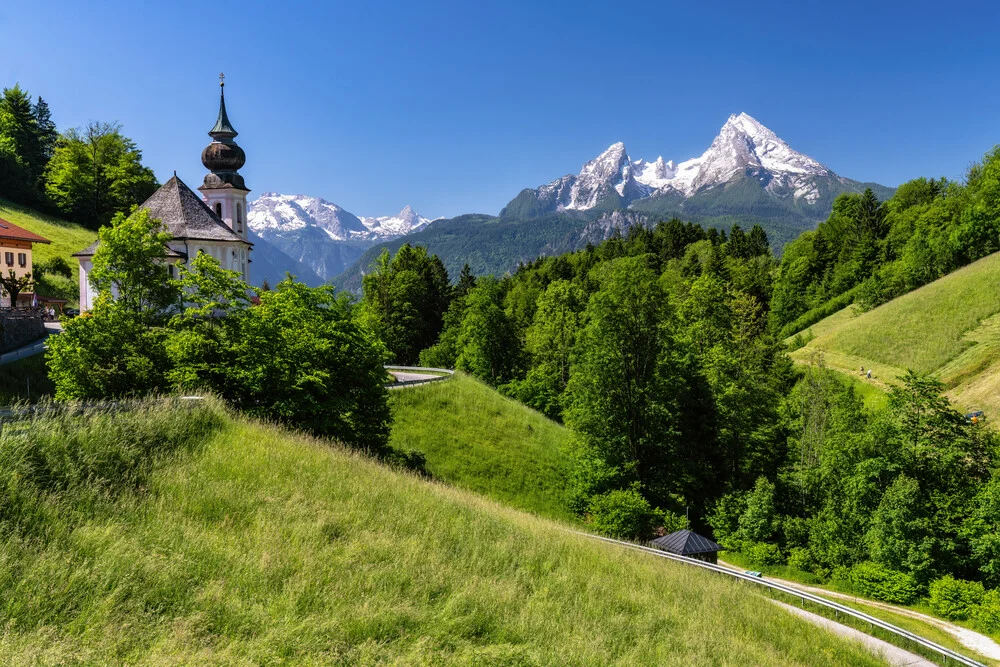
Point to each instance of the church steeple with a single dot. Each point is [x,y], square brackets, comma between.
[223,157]
[223,128]
[224,189]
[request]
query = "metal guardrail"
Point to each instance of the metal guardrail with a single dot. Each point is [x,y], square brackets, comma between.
[945,653]
[418,369]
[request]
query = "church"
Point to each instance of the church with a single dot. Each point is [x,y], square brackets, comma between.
[214,223]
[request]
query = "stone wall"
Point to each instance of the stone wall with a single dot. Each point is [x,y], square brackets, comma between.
[19,329]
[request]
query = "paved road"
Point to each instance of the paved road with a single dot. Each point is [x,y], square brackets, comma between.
[970,639]
[30,349]
[406,376]
[893,655]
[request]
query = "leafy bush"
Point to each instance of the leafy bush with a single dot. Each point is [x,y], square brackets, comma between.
[669,521]
[801,558]
[954,598]
[986,614]
[622,513]
[762,554]
[880,583]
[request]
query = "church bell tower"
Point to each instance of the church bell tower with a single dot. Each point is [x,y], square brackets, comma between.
[224,190]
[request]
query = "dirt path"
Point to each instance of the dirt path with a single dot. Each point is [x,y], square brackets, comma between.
[970,639]
[893,655]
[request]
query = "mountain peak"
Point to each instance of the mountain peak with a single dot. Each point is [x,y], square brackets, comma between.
[744,147]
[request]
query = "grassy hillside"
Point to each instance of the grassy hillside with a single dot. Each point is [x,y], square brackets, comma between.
[477,439]
[226,542]
[950,328]
[66,238]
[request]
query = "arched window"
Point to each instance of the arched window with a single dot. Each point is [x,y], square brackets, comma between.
[218,209]
[239,217]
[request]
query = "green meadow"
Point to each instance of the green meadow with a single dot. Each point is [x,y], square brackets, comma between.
[474,438]
[949,328]
[186,536]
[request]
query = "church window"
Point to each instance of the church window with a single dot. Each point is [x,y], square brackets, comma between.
[218,209]
[239,217]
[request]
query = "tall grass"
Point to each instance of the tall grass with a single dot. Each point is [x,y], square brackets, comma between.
[60,464]
[260,547]
[475,438]
[926,328]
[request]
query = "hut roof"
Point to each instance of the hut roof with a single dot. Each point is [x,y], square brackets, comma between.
[685,542]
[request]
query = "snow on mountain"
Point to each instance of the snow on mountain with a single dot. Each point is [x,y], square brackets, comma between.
[278,213]
[655,174]
[391,226]
[320,237]
[743,146]
[744,142]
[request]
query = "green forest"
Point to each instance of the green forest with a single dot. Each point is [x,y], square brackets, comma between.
[85,174]
[662,350]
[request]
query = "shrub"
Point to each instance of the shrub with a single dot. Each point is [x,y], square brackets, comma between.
[622,513]
[880,583]
[801,558]
[986,614]
[669,521]
[954,598]
[762,554]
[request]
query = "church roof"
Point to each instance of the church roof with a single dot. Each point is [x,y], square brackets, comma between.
[92,248]
[185,215]
[685,542]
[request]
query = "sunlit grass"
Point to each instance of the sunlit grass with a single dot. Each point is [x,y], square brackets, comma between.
[948,328]
[477,439]
[254,546]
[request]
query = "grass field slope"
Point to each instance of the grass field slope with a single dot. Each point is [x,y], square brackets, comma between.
[475,438]
[949,328]
[233,543]
[66,238]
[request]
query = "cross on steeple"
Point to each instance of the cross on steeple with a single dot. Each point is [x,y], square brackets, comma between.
[222,79]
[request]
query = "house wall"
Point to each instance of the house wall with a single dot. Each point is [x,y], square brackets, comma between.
[87,292]
[16,249]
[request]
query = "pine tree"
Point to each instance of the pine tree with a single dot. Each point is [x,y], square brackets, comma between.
[45,129]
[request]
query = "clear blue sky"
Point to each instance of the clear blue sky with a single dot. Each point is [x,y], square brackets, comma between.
[454,107]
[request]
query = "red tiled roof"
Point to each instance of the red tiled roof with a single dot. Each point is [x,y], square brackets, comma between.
[8,230]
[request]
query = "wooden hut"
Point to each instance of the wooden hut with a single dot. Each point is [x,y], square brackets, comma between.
[687,543]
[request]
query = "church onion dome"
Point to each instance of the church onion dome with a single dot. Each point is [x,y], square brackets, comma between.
[223,157]
[219,156]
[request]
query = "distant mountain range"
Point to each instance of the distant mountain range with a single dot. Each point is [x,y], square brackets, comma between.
[747,176]
[315,239]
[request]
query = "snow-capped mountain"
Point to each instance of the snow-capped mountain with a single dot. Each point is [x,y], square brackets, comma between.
[319,236]
[743,149]
[390,226]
